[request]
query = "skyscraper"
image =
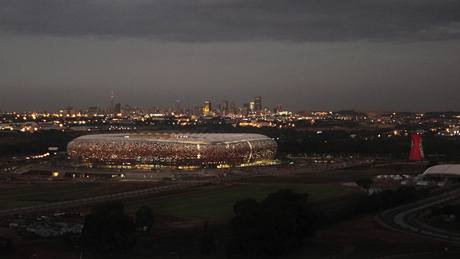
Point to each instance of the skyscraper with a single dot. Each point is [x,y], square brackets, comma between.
[252,106]
[224,107]
[207,108]
[111,104]
[233,108]
[258,104]
[93,110]
[117,108]
[178,107]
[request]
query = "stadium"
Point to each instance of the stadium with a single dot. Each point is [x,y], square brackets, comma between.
[446,171]
[182,150]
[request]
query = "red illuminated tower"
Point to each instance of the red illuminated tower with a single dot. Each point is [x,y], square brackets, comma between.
[416,150]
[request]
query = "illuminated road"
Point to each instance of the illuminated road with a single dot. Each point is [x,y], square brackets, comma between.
[404,218]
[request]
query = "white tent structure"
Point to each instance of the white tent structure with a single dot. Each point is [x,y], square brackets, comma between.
[452,170]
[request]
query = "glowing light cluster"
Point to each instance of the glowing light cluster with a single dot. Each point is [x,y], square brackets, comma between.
[181,150]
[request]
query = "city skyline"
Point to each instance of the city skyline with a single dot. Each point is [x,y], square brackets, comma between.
[245,104]
[307,55]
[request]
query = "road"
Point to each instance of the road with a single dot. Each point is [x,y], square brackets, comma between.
[404,218]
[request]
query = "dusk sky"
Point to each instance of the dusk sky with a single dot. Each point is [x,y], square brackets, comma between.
[372,55]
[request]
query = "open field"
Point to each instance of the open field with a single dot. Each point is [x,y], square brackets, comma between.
[309,176]
[13,195]
[216,204]
[213,203]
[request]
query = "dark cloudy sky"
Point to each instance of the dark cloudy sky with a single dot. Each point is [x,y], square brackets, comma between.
[305,54]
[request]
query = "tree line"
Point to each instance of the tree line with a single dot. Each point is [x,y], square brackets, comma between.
[278,225]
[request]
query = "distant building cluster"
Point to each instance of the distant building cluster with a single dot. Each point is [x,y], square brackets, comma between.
[118,117]
[252,107]
[171,149]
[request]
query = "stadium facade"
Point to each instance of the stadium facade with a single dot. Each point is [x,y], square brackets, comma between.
[181,150]
[443,171]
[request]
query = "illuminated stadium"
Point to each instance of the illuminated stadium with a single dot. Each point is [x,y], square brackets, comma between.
[182,150]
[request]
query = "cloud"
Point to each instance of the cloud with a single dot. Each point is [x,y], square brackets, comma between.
[235,20]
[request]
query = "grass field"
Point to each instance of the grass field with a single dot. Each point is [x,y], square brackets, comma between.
[216,204]
[25,194]
[211,203]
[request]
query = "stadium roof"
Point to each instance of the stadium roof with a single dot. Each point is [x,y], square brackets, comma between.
[443,170]
[189,138]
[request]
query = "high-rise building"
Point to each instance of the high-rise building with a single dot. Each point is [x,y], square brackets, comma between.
[252,106]
[93,110]
[224,107]
[117,108]
[111,104]
[207,108]
[178,107]
[67,110]
[246,108]
[258,104]
[278,108]
[233,108]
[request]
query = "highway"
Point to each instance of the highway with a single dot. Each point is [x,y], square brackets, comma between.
[404,218]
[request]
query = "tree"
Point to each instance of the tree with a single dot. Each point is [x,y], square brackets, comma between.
[287,220]
[6,245]
[144,218]
[275,226]
[246,206]
[207,240]
[365,183]
[243,227]
[108,229]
